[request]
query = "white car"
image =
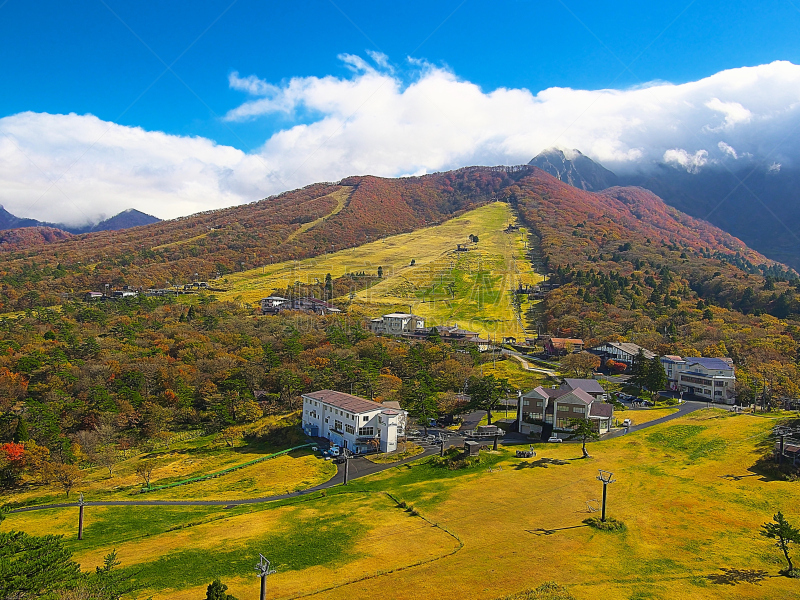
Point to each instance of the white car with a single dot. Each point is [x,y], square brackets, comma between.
[627,423]
[555,440]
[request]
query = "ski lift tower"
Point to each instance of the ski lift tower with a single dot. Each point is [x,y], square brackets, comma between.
[606,477]
[263,568]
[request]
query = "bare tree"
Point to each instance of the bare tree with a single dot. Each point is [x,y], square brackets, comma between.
[66,475]
[108,457]
[145,471]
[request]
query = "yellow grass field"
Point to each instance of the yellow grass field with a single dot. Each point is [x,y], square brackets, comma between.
[444,286]
[298,470]
[638,417]
[686,491]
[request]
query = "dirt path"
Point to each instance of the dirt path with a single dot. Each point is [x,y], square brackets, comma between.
[341,196]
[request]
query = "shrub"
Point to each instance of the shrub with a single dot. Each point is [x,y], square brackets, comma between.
[547,591]
[610,524]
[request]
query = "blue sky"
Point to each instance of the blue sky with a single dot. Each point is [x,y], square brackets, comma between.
[173,107]
[105,57]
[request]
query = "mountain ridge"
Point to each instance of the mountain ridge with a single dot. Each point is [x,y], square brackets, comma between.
[255,235]
[760,205]
[123,220]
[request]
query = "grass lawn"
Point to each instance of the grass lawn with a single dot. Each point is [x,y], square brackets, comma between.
[393,457]
[299,469]
[469,288]
[686,491]
[517,376]
[645,415]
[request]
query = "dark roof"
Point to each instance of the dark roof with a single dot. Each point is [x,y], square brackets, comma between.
[547,392]
[587,385]
[601,409]
[629,348]
[716,364]
[344,401]
[579,394]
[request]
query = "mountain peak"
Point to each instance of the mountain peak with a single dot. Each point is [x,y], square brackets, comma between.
[575,168]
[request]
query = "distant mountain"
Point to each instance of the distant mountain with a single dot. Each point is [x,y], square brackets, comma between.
[759,205]
[9,221]
[360,209]
[574,168]
[124,220]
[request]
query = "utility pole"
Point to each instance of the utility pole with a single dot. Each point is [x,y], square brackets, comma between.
[346,465]
[81,504]
[263,569]
[606,477]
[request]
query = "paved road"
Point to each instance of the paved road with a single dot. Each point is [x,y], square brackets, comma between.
[359,467]
[527,366]
[683,409]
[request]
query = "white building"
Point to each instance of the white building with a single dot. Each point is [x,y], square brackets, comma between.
[710,378]
[397,324]
[351,422]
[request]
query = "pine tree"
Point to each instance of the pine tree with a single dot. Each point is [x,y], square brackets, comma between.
[216,591]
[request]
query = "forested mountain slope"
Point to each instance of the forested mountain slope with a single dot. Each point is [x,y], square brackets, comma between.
[633,268]
[346,214]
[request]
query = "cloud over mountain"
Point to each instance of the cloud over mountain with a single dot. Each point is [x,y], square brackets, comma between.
[387,120]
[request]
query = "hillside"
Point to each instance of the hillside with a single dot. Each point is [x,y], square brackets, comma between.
[421,271]
[633,268]
[243,237]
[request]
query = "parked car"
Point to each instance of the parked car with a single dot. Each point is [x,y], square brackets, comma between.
[334,451]
[555,439]
[627,423]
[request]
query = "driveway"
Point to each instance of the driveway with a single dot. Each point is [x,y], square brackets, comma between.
[685,408]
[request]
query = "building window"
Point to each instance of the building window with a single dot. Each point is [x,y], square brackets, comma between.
[581,410]
[337,425]
[365,418]
[562,423]
[366,430]
[350,429]
[563,408]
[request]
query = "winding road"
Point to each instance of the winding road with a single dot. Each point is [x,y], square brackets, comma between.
[359,467]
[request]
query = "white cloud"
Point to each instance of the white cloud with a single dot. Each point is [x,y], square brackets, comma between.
[691,162]
[388,121]
[727,149]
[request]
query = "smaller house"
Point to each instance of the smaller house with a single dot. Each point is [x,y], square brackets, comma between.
[117,294]
[314,305]
[272,304]
[398,324]
[89,296]
[620,351]
[562,346]
[556,407]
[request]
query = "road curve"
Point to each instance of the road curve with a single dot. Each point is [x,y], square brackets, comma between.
[359,467]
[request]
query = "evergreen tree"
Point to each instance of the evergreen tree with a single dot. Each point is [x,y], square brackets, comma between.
[784,533]
[485,394]
[216,591]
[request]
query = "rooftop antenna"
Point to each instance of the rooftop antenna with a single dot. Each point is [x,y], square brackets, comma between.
[606,477]
[263,568]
